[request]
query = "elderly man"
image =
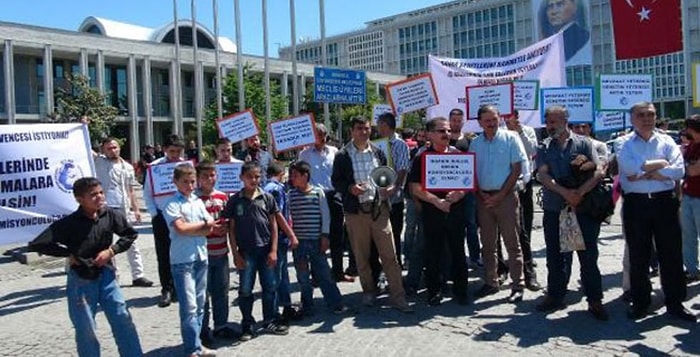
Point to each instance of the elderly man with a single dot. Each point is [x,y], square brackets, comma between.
[499,158]
[555,172]
[650,163]
[367,212]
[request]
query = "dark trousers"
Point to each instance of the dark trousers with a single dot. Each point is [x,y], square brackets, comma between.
[439,229]
[161,234]
[396,219]
[559,264]
[473,243]
[654,218]
[337,234]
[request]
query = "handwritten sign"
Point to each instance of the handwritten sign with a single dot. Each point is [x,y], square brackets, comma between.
[238,126]
[577,100]
[620,91]
[292,133]
[228,176]
[499,95]
[379,109]
[412,94]
[526,95]
[161,176]
[448,172]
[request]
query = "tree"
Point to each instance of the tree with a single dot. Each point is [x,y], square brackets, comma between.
[75,99]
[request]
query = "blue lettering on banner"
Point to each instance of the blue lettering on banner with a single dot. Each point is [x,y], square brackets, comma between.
[333,85]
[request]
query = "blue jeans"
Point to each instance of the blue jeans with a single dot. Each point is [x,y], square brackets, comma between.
[218,282]
[190,281]
[83,297]
[412,220]
[308,259]
[256,263]
[472,227]
[416,254]
[690,224]
[559,264]
[284,297]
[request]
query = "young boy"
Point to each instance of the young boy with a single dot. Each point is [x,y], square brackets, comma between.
[253,238]
[311,218]
[85,236]
[189,224]
[217,247]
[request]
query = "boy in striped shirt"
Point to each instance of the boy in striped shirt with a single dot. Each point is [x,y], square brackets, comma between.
[311,217]
[217,247]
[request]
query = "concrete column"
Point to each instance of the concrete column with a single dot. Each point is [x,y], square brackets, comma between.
[84,62]
[100,71]
[133,107]
[285,91]
[147,100]
[174,96]
[9,68]
[48,79]
[302,87]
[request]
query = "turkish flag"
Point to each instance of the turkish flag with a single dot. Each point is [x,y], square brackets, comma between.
[645,28]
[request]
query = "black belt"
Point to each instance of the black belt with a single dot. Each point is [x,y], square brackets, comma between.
[652,195]
[491,192]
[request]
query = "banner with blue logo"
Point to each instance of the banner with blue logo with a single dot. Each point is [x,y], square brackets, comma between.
[38,165]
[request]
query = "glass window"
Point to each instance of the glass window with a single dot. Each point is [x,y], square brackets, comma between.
[433,25]
[509,10]
[479,35]
[463,37]
[471,36]
[455,23]
[472,52]
[487,51]
[504,48]
[502,12]
[494,14]
[470,19]
[477,17]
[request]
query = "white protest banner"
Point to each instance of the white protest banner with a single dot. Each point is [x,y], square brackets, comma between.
[379,109]
[228,176]
[383,144]
[292,133]
[238,126]
[606,121]
[161,176]
[38,165]
[620,91]
[448,172]
[577,100]
[543,61]
[412,94]
[526,95]
[498,95]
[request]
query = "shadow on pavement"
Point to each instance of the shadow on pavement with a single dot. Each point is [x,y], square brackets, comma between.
[143,302]
[165,351]
[29,299]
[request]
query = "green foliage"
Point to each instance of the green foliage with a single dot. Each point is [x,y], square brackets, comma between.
[254,84]
[76,100]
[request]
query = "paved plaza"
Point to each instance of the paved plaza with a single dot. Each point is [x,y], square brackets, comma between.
[34,318]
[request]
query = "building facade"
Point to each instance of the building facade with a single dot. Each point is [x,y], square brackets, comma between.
[401,43]
[134,66]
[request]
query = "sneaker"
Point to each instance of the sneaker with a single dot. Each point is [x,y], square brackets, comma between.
[691,278]
[207,341]
[435,300]
[292,313]
[276,328]
[515,297]
[486,290]
[341,309]
[247,335]
[226,333]
[142,282]
[204,352]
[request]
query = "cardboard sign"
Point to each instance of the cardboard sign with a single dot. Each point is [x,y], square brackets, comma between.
[449,172]
[620,91]
[228,176]
[499,95]
[412,94]
[292,133]
[161,176]
[577,100]
[526,95]
[238,126]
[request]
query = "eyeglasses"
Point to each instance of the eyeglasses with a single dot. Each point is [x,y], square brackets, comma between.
[442,131]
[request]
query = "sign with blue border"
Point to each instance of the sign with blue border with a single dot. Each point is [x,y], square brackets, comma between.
[579,101]
[341,86]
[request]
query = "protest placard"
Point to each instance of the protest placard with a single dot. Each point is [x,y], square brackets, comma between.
[606,121]
[619,92]
[238,126]
[578,101]
[292,133]
[228,176]
[448,172]
[498,95]
[526,95]
[412,94]
[161,176]
[39,163]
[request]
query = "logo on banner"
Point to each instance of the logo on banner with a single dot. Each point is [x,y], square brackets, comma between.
[66,174]
[624,101]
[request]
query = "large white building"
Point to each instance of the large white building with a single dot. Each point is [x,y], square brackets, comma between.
[135,66]
[491,28]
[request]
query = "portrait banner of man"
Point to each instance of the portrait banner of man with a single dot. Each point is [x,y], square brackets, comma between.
[573,18]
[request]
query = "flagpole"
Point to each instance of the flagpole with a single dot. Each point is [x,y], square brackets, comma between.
[295,80]
[197,80]
[324,57]
[177,115]
[217,60]
[266,65]
[239,58]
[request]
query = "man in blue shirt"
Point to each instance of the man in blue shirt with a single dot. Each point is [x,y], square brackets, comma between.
[499,157]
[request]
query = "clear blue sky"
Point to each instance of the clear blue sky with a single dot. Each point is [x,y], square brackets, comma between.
[341,16]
